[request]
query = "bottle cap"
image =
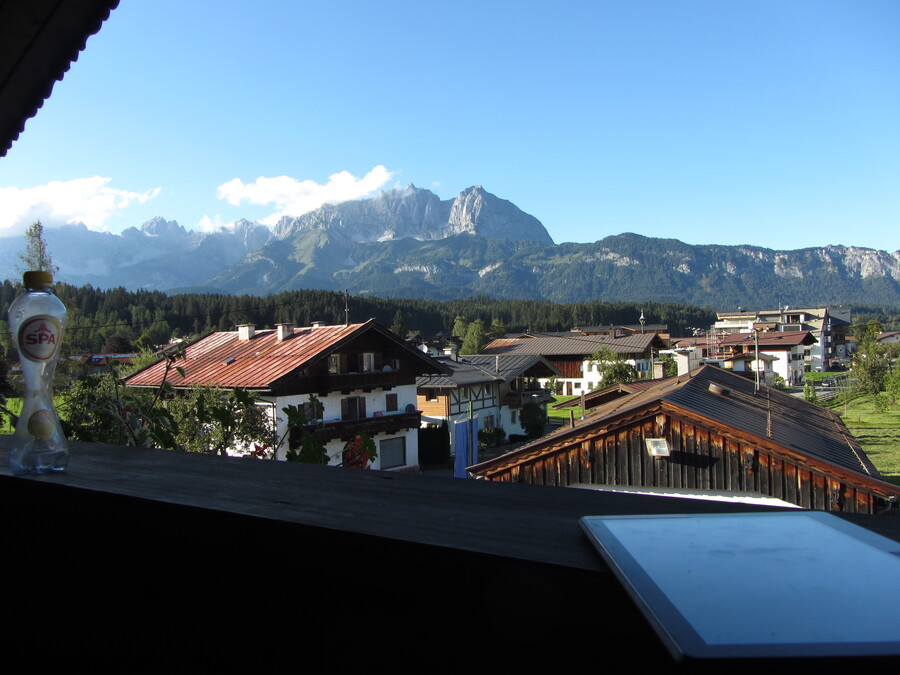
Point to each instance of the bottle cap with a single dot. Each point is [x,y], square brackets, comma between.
[37,279]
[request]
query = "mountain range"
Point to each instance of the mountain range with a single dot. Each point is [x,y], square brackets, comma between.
[409,243]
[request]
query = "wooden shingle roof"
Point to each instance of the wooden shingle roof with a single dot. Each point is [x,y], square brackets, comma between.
[573,345]
[481,369]
[730,404]
[463,373]
[511,366]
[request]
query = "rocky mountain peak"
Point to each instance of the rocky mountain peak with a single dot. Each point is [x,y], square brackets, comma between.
[479,212]
[160,227]
[420,214]
[368,246]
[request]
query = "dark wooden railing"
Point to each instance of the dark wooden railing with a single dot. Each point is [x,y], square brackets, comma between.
[139,560]
[516,399]
[389,423]
[347,382]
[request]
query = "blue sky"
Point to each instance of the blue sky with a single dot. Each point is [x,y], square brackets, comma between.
[768,123]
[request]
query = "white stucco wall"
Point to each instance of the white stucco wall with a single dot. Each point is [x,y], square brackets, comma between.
[375,401]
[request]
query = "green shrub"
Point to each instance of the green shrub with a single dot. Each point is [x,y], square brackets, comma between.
[809,393]
[533,419]
[491,436]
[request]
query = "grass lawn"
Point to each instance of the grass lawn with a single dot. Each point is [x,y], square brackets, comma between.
[562,414]
[877,432]
[818,376]
[14,405]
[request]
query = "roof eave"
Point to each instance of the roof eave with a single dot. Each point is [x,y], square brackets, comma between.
[41,39]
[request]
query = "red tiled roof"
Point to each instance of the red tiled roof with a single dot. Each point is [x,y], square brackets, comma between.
[770,339]
[747,356]
[223,360]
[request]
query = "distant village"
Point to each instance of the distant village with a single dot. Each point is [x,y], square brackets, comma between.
[422,402]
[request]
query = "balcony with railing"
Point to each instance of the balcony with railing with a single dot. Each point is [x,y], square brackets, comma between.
[155,561]
[516,399]
[324,383]
[388,423]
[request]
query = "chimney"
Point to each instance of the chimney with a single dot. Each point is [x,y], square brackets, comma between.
[246,331]
[450,350]
[285,330]
[317,323]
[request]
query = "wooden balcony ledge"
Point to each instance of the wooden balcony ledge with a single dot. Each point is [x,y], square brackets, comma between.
[388,423]
[147,559]
[516,399]
[348,382]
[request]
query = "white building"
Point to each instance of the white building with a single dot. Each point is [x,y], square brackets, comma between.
[829,326]
[363,375]
[786,351]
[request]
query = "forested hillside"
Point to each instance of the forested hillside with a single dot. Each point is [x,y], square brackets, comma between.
[152,317]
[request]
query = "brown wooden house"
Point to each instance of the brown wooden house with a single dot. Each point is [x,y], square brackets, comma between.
[717,433]
[570,353]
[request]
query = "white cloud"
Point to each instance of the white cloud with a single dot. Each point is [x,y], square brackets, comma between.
[86,200]
[212,224]
[294,198]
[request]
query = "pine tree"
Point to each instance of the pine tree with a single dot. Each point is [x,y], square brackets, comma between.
[398,327]
[497,330]
[36,256]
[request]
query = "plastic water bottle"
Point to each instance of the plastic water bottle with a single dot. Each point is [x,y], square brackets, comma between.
[37,320]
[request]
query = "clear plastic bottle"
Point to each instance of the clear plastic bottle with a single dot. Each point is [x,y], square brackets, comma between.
[37,320]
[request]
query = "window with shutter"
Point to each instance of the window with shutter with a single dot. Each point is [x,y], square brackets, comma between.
[353,408]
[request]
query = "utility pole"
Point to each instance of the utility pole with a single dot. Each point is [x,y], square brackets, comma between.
[756,346]
[346,307]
